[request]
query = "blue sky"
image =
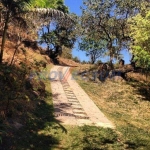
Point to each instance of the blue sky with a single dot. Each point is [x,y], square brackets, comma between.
[74,7]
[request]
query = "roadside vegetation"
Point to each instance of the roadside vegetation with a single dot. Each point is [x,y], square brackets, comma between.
[104,29]
[126,103]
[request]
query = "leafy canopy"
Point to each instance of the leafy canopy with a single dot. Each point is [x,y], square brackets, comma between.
[55,4]
[140,32]
[106,20]
[94,49]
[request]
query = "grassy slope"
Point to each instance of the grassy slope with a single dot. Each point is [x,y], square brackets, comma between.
[43,132]
[128,106]
[123,103]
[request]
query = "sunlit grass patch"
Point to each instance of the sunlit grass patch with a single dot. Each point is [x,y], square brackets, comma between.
[126,106]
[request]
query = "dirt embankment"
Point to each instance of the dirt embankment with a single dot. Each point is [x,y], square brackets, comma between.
[67,62]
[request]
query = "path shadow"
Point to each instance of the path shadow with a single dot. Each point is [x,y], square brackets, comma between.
[61,109]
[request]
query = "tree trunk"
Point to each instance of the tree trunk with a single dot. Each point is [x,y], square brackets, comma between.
[111,55]
[4,37]
[0,16]
[92,58]
[93,62]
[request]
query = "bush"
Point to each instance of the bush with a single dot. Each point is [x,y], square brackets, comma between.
[76,59]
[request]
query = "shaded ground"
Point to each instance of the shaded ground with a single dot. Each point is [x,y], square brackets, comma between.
[25,117]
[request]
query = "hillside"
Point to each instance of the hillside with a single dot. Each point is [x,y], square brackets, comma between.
[19,93]
[26,109]
[24,90]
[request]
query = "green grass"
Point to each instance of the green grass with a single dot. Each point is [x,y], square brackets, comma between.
[121,102]
[127,107]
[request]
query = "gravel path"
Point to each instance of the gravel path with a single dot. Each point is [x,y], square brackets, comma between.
[71,104]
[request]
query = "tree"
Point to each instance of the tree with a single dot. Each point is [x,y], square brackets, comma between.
[107,20]
[56,35]
[140,32]
[76,59]
[93,48]
[13,10]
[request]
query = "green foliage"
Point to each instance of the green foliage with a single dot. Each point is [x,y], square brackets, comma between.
[83,62]
[128,107]
[61,6]
[44,3]
[98,62]
[140,32]
[55,4]
[107,21]
[93,48]
[57,36]
[76,59]
[98,138]
[12,12]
